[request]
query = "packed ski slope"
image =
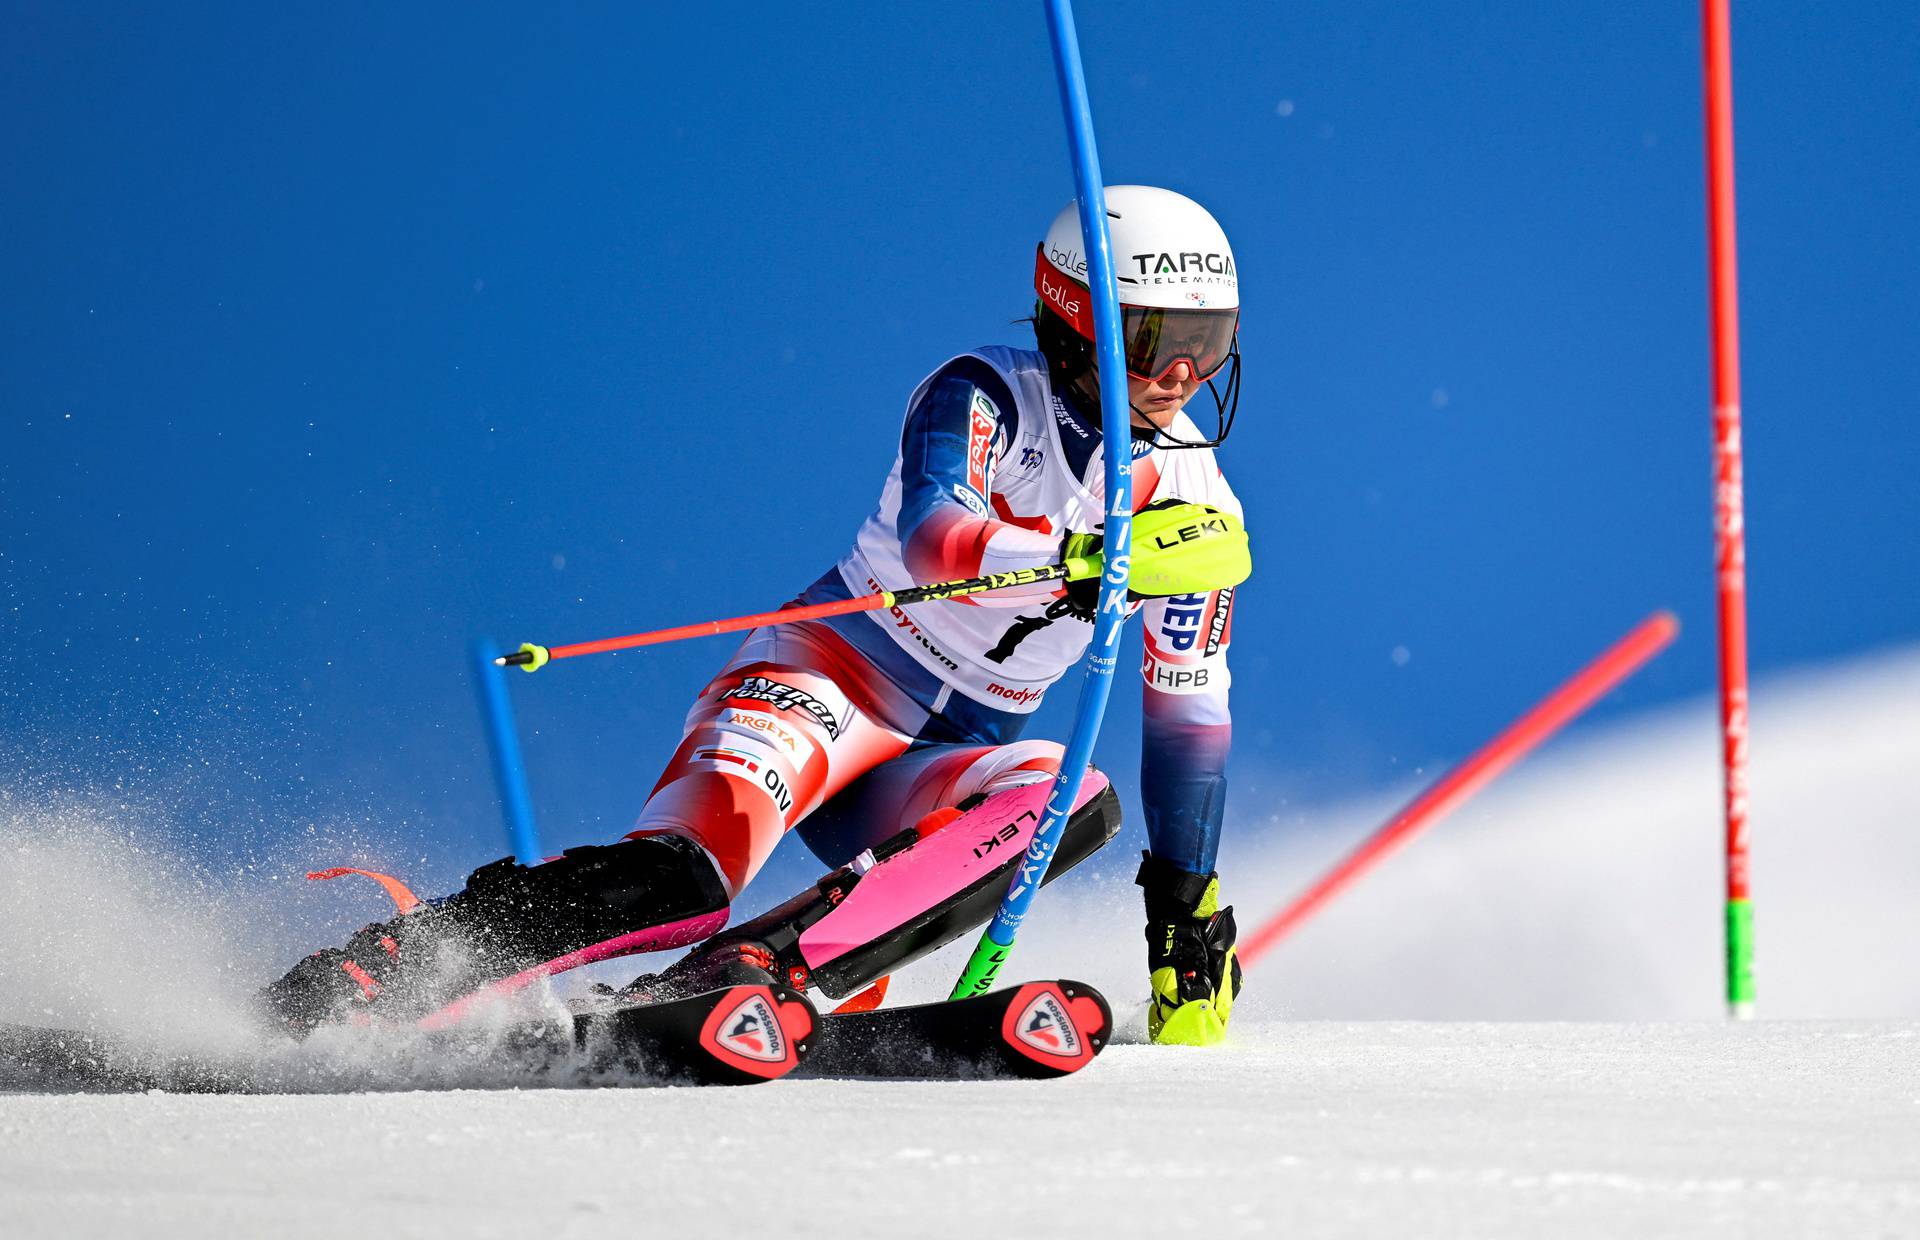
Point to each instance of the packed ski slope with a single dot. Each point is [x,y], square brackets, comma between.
[1363,1091]
[1320,1128]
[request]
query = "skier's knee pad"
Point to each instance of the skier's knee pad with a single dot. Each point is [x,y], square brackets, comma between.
[912,895]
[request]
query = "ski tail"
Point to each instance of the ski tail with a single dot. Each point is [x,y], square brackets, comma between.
[736,1035]
[1034,1031]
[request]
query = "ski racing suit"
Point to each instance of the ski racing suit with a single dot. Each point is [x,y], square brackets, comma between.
[851,727]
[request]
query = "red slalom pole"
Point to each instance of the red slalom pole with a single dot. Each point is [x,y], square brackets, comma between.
[1553,712]
[1729,499]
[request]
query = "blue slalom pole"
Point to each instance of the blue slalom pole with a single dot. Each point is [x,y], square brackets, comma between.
[996,941]
[503,744]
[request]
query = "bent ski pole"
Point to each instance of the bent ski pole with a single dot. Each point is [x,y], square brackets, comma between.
[996,941]
[532,657]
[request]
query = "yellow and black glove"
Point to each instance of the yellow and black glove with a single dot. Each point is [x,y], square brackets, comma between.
[1178,548]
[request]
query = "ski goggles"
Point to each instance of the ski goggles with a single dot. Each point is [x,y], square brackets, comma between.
[1155,339]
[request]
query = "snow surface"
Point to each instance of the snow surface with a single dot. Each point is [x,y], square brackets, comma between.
[1584,888]
[1318,1128]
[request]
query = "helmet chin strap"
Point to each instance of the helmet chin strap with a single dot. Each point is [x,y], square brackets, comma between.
[1147,428]
[1160,437]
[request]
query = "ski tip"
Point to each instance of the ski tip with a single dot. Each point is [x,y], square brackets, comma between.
[1056,1027]
[867,1000]
[397,891]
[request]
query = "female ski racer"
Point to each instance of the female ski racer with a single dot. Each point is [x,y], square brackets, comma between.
[849,728]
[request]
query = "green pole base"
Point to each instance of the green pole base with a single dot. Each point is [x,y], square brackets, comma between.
[1740,959]
[983,969]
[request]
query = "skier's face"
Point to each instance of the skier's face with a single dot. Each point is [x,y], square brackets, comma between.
[1155,401]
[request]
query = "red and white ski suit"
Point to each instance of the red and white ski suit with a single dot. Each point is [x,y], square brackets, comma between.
[853,727]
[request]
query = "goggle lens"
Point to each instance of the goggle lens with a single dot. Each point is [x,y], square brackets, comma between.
[1155,339]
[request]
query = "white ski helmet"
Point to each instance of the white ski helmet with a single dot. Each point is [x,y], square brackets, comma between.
[1179,294]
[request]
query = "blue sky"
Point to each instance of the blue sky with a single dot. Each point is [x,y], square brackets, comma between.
[335,337]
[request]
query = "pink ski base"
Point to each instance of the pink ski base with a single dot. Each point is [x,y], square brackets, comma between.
[652,939]
[908,883]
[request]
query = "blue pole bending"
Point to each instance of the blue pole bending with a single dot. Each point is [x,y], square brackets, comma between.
[996,942]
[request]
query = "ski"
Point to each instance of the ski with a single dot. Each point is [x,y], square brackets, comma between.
[1036,1030]
[735,1035]
[730,1036]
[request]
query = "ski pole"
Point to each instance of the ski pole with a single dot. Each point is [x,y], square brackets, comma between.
[531,657]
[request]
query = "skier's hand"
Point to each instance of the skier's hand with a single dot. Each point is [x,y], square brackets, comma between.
[1083,593]
[1178,548]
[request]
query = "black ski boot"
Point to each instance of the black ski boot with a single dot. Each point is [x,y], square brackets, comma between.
[509,917]
[1194,973]
[737,962]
